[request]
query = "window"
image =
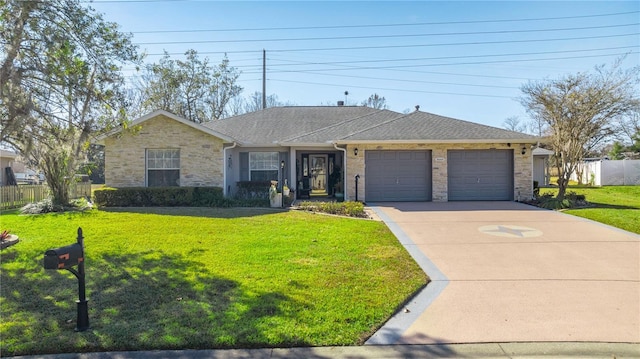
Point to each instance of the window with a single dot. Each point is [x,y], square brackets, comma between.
[263,166]
[163,167]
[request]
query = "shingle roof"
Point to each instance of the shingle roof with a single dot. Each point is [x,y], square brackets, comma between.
[326,124]
[100,139]
[276,124]
[421,126]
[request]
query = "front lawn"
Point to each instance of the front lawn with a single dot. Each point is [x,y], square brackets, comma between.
[618,206]
[199,278]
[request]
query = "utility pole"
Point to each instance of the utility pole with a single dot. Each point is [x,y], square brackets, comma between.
[264,79]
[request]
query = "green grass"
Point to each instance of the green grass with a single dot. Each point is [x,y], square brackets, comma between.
[618,206]
[202,278]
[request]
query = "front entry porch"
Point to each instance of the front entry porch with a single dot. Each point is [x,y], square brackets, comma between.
[319,174]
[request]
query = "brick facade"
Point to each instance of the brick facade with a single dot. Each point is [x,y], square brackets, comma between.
[522,171]
[201,155]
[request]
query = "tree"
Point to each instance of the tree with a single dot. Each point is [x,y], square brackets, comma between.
[629,130]
[94,165]
[254,102]
[635,146]
[580,111]
[375,101]
[513,123]
[190,88]
[60,83]
[616,152]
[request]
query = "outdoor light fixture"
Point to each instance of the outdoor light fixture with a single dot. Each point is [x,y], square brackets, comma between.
[355,151]
[524,150]
[229,162]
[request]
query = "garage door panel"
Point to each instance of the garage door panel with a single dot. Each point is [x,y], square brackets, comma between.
[389,156]
[398,175]
[480,175]
[373,155]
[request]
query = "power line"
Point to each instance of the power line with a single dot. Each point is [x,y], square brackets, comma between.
[378,25]
[404,68]
[409,81]
[457,63]
[407,46]
[391,89]
[457,57]
[389,36]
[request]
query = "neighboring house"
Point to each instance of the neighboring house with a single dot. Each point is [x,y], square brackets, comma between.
[603,172]
[7,160]
[10,162]
[323,149]
[541,166]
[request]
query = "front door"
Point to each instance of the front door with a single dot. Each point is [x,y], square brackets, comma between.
[318,174]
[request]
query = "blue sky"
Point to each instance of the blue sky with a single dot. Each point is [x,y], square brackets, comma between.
[463,59]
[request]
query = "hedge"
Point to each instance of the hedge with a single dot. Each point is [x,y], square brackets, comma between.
[251,190]
[348,208]
[161,196]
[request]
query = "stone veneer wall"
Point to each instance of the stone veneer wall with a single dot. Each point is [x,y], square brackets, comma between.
[522,171]
[201,156]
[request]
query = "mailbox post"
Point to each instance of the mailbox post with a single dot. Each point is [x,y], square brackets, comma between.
[66,258]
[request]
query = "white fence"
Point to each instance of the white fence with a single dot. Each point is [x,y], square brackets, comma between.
[18,196]
[610,173]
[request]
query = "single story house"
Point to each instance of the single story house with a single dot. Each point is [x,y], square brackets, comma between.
[362,153]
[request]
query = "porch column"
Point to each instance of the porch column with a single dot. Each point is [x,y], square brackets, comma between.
[292,170]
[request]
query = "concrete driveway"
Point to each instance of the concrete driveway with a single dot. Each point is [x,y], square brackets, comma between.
[509,272]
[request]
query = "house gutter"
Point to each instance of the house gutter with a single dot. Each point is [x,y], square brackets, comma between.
[226,165]
[344,174]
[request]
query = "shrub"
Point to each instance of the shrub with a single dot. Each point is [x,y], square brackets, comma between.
[47,206]
[354,209]
[548,201]
[210,197]
[576,200]
[253,190]
[349,208]
[44,206]
[161,196]
[331,207]
[571,199]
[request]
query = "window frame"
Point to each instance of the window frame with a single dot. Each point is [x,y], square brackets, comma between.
[266,164]
[162,163]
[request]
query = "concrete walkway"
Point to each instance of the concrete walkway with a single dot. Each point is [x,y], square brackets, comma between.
[509,272]
[485,351]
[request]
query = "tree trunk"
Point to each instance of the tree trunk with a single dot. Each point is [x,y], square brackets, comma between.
[58,169]
[563,182]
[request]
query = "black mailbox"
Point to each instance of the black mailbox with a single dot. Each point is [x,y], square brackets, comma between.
[64,257]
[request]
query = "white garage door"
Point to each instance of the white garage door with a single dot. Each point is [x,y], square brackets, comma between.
[480,175]
[398,176]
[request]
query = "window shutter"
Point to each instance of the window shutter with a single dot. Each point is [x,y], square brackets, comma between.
[244,166]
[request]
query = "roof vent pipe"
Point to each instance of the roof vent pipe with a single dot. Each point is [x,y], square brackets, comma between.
[417,107]
[340,103]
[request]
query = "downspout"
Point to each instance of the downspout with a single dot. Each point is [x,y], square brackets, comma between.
[224,170]
[344,173]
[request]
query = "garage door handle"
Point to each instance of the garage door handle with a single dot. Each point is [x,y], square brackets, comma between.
[478,180]
[397,180]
